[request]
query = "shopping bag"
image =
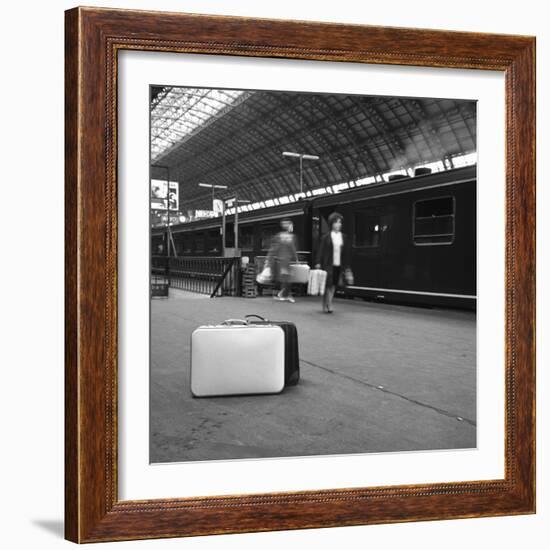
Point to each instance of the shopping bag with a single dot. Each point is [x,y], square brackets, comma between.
[313,282]
[317,282]
[265,276]
[322,281]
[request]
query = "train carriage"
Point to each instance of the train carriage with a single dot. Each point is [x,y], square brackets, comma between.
[413,240]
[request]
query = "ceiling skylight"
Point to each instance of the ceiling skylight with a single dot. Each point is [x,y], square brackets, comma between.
[178,113]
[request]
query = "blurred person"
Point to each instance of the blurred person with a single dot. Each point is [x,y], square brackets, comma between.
[281,253]
[334,256]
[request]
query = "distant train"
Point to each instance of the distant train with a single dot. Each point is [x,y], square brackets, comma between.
[413,239]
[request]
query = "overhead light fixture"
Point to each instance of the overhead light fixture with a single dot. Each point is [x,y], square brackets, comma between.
[302,157]
[213,186]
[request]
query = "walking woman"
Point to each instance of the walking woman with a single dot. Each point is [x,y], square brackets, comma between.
[281,253]
[334,257]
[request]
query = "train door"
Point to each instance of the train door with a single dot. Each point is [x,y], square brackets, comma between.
[229,235]
[214,242]
[319,227]
[187,243]
[246,240]
[200,243]
[370,231]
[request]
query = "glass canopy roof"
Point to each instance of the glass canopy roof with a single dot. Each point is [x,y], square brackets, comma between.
[235,140]
[179,113]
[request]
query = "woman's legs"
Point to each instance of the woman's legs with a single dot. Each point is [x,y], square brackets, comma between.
[331,291]
[285,286]
[284,293]
[284,283]
[328,297]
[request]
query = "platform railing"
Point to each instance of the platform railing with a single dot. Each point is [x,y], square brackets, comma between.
[214,276]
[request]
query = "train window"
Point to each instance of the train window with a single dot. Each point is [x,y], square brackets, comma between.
[157,247]
[187,244]
[199,242]
[434,221]
[246,238]
[268,232]
[367,230]
[214,241]
[178,244]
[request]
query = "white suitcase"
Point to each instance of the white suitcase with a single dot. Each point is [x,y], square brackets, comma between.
[234,359]
[299,273]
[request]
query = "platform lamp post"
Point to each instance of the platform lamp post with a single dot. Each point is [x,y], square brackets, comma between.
[214,187]
[302,157]
[167,168]
[236,201]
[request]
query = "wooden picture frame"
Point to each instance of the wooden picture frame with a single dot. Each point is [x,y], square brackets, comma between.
[93,511]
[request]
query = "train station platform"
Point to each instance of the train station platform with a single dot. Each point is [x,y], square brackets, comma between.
[374,378]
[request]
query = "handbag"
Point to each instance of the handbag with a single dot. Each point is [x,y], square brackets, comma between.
[348,276]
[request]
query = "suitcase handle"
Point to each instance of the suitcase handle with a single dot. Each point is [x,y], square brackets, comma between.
[256,316]
[234,322]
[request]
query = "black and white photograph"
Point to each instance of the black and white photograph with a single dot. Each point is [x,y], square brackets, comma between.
[312,274]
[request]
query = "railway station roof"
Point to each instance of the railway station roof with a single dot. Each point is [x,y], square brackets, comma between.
[236,138]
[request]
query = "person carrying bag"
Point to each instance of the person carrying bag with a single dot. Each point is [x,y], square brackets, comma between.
[334,257]
[278,262]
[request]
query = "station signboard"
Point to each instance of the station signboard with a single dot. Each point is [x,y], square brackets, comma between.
[158,195]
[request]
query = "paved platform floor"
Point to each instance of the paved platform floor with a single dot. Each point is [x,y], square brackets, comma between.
[374,378]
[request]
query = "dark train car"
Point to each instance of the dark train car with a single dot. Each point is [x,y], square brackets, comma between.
[413,240]
[256,230]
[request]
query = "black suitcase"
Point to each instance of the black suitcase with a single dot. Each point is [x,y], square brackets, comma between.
[292,356]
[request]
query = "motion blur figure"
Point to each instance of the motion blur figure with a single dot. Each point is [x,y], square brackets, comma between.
[333,256]
[281,253]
